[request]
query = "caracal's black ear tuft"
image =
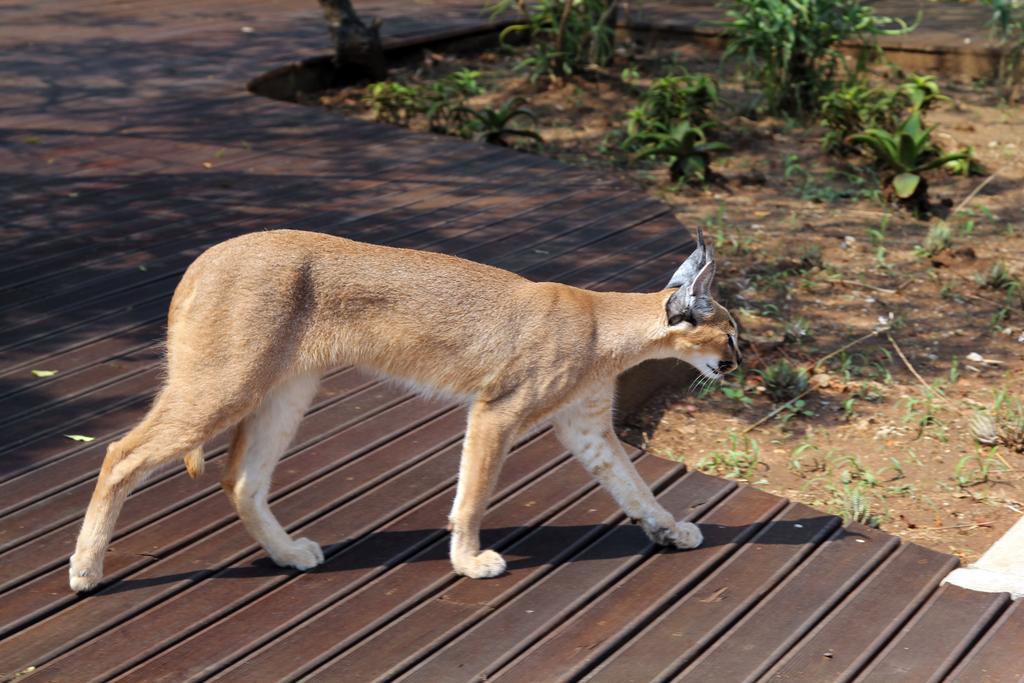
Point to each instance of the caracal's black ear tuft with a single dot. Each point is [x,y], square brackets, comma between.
[692,280]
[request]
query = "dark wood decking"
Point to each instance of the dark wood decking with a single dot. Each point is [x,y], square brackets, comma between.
[128,147]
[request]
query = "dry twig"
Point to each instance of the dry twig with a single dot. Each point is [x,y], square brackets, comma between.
[974,192]
[854,283]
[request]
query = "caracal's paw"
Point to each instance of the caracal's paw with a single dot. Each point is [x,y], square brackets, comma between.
[681,535]
[484,565]
[302,554]
[83,577]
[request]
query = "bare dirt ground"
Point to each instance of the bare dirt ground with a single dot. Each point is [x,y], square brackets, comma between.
[811,261]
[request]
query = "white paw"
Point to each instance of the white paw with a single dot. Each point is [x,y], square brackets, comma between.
[302,554]
[82,577]
[484,565]
[681,534]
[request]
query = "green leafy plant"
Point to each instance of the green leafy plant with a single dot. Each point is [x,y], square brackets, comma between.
[740,460]
[853,505]
[445,102]
[791,47]
[922,92]
[394,102]
[966,166]
[906,152]
[793,409]
[938,239]
[857,107]
[851,470]
[972,470]
[668,101]
[784,381]
[688,150]
[923,414]
[854,108]
[566,35]
[495,126]
[1000,278]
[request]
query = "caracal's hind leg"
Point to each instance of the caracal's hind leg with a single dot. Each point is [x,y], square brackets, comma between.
[585,428]
[259,442]
[175,425]
[488,437]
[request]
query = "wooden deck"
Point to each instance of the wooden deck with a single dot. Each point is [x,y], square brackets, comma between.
[128,146]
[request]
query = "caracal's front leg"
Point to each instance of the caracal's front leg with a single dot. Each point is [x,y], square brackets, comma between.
[585,428]
[488,437]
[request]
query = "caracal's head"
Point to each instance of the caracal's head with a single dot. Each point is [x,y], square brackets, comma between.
[697,328]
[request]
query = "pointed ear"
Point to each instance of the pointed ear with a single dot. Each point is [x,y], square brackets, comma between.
[700,288]
[692,266]
[677,308]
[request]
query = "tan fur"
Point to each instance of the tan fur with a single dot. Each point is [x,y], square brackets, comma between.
[255,320]
[195,465]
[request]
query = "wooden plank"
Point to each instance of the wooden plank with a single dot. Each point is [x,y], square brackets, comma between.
[854,633]
[340,503]
[78,358]
[156,237]
[111,424]
[689,624]
[411,497]
[318,608]
[151,519]
[768,631]
[595,630]
[996,657]
[80,463]
[688,616]
[938,635]
[500,635]
[332,412]
[37,394]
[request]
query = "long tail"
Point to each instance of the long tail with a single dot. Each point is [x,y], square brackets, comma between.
[194,462]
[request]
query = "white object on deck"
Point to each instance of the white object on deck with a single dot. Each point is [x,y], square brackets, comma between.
[999,570]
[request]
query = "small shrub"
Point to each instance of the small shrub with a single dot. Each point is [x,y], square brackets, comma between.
[850,503]
[445,102]
[938,239]
[857,107]
[784,381]
[792,48]
[972,470]
[688,150]
[494,126]
[853,109]
[906,152]
[922,92]
[968,165]
[394,102]
[1000,278]
[668,101]
[566,35]
[740,460]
